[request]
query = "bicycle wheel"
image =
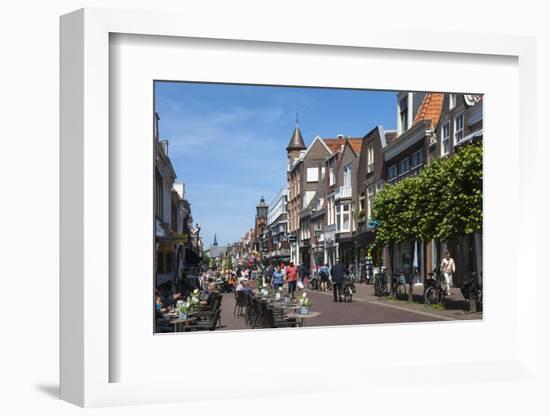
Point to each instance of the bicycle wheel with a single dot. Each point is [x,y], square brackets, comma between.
[430,296]
[378,289]
[401,291]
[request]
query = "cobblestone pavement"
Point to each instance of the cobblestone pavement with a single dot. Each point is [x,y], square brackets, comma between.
[364,309]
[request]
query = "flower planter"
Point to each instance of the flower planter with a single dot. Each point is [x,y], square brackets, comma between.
[304,310]
[183,315]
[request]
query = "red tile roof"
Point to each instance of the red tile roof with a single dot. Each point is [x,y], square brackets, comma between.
[430,109]
[356,145]
[335,144]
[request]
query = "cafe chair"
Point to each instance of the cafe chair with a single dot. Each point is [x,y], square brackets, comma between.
[208,323]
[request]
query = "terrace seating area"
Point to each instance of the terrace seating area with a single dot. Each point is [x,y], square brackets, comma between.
[264,312]
[252,309]
[204,315]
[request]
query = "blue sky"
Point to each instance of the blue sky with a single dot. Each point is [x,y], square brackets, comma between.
[228,142]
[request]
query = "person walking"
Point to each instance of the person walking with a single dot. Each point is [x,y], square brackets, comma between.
[324,274]
[302,272]
[269,275]
[291,277]
[369,268]
[277,278]
[337,274]
[448,268]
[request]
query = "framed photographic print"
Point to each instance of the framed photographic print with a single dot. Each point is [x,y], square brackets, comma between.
[332,246]
[282,198]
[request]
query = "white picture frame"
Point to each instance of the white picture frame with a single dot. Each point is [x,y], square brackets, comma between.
[86,351]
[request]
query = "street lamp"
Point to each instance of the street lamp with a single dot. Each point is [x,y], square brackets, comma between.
[261,220]
[317,232]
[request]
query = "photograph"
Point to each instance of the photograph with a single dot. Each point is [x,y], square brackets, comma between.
[293,207]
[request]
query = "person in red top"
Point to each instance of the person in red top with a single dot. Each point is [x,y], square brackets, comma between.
[292,277]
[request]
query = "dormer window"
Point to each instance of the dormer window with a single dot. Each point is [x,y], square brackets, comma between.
[392,173]
[445,137]
[459,128]
[332,173]
[347,175]
[370,158]
[312,174]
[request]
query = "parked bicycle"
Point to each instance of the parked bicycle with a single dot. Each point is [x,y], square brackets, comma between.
[380,285]
[398,289]
[362,273]
[472,289]
[436,289]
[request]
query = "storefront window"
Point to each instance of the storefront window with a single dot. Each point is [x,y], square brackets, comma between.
[402,259]
[346,218]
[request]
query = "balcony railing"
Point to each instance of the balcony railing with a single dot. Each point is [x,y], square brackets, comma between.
[343,192]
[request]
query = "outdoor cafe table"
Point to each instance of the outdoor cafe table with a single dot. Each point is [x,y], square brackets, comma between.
[290,306]
[174,320]
[299,315]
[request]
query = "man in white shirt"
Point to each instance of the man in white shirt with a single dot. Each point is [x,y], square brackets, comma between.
[448,268]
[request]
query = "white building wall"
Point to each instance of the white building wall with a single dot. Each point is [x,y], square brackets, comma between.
[278,206]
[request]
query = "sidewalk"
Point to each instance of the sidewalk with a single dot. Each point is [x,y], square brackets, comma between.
[455,308]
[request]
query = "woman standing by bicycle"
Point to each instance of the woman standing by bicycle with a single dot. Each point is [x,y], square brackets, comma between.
[448,268]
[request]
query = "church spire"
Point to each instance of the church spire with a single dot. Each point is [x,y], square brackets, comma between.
[296,141]
[215,240]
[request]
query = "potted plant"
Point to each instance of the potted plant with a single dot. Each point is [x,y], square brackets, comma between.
[184,310]
[305,304]
[287,298]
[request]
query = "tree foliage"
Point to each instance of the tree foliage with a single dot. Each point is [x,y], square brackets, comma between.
[443,202]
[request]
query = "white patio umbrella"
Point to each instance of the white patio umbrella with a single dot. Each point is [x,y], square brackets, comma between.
[415,261]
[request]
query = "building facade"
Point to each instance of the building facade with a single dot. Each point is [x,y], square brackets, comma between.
[460,124]
[278,249]
[370,180]
[333,182]
[406,156]
[175,249]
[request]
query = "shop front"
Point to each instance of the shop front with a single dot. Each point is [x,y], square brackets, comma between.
[331,248]
[305,253]
[407,260]
[346,246]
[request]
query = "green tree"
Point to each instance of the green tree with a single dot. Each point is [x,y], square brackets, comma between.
[229,262]
[398,211]
[444,202]
[212,264]
[462,198]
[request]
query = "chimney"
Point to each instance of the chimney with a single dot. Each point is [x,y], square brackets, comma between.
[340,136]
[156,122]
[164,144]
